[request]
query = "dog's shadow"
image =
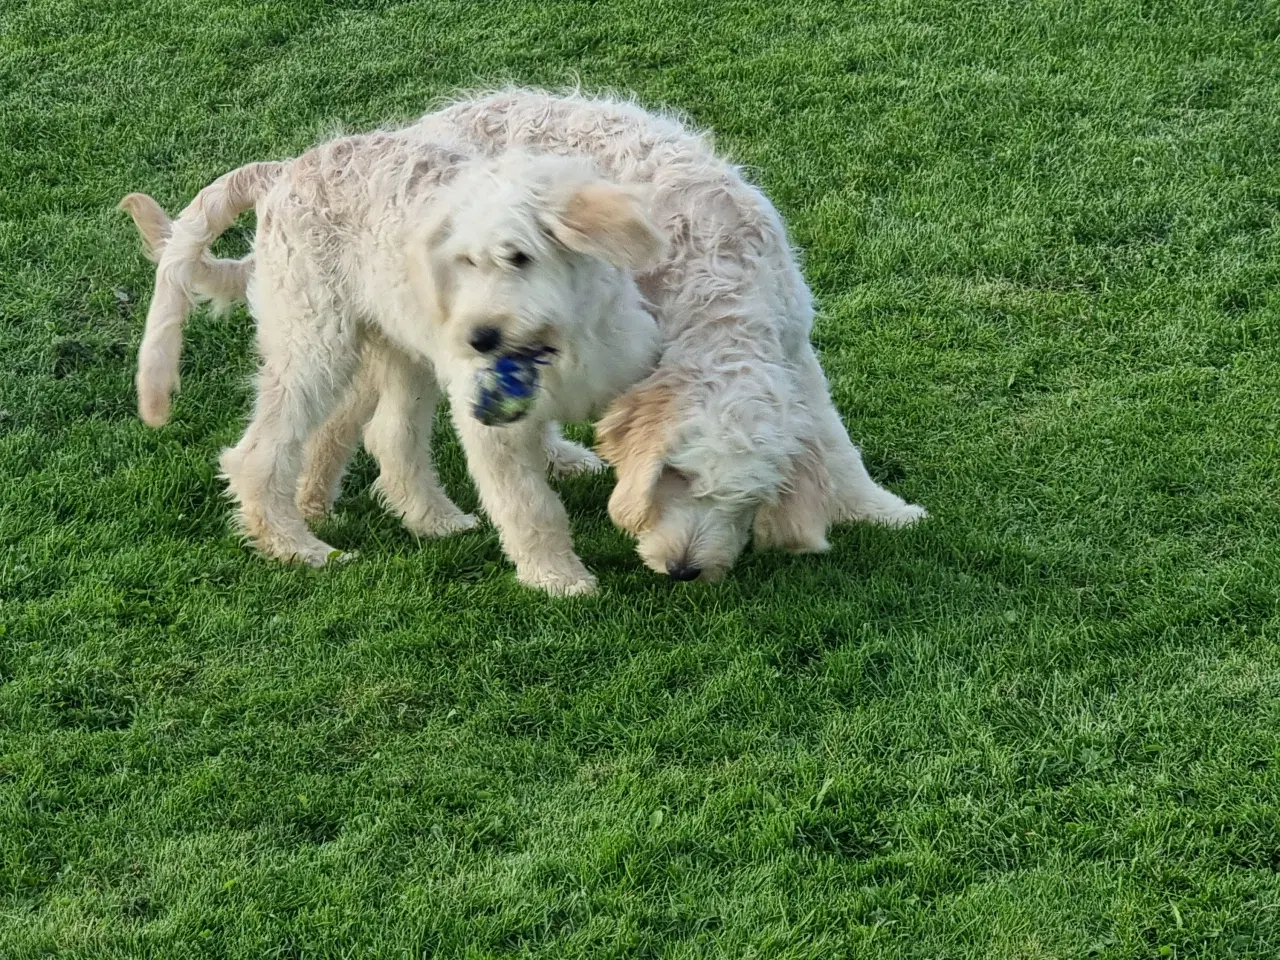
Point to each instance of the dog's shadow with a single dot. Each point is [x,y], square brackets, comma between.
[858,551]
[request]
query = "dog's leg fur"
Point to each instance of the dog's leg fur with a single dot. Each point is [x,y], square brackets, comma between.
[309,352]
[262,469]
[332,446]
[565,456]
[399,437]
[509,467]
[854,495]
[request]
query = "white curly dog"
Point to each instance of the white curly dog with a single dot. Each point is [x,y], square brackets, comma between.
[413,261]
[735,431]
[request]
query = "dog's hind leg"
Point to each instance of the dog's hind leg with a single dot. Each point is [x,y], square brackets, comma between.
[308,357]
[565,456]
[333,445]
[854,495]
[399,437]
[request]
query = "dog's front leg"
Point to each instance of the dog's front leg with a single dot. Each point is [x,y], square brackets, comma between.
[854,494]
[509,467]
[566,457]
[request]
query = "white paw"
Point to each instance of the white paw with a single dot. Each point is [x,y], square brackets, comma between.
[572,459]
[806,546]
[572,584]
[316,554]
[441,524]
[903,516]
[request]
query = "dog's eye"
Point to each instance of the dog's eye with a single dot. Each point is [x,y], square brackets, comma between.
[469,261]
[519,258]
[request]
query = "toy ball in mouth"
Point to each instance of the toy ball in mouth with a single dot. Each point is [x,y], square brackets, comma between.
[507,389]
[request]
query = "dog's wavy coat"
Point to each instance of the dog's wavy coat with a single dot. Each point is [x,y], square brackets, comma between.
[413,260]
[735,429]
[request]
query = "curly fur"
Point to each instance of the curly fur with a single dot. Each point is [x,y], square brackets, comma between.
[740,424]
[385,253]
[734,435]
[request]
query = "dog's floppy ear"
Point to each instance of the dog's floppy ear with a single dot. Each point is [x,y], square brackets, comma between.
[430,277]
[798,520]
[634,437]
[607,221]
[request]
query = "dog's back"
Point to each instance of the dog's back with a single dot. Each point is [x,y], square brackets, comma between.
[726,243]
[739,404]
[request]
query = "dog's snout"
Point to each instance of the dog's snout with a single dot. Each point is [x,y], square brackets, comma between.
[485,339]
[679,570]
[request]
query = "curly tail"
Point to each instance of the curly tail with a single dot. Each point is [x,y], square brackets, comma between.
[187,272]
[219,281]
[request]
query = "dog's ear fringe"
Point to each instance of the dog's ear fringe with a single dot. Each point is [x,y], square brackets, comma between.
[635,436]
[608,221]
[425,273]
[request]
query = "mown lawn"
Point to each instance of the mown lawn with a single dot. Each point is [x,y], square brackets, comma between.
[1044,725]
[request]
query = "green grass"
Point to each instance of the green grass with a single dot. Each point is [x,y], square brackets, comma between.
[1044,725]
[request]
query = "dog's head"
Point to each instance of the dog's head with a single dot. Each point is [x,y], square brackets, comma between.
[515,247]
[696,461]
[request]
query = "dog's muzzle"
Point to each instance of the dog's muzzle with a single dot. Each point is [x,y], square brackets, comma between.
[684,572]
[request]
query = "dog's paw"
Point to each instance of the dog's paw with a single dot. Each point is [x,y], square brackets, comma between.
[568,459]
[885,510]
[568,584]
[904,516]
[435,525]
[582,587]
[315,553]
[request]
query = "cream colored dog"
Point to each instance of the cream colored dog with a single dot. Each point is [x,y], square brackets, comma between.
[735,431]
[414,261]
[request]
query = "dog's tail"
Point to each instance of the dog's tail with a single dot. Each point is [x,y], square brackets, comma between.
[219,281]
[187,272]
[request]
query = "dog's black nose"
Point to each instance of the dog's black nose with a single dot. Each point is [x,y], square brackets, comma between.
[679,570]
[485,339]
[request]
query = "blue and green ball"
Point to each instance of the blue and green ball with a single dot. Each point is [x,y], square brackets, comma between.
[507,389]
